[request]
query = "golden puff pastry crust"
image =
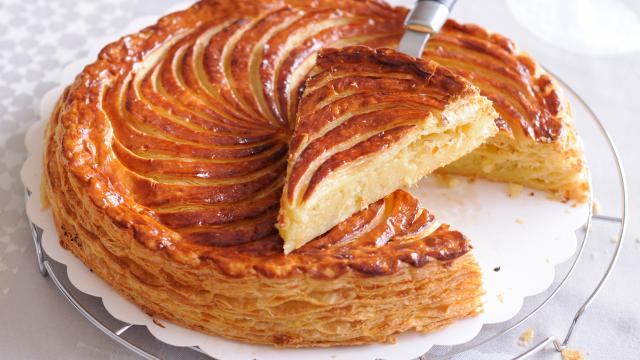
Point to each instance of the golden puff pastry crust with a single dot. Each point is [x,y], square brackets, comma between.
[164,166]
[537,144]
[371,121]
[166,158]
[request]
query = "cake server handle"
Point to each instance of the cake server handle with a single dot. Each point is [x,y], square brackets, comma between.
[426,18]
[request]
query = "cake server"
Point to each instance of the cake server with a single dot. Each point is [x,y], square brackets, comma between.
[426,18]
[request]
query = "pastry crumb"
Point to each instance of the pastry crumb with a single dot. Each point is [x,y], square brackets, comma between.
[519,221]
[532,194]
[500,298]
[596,209]
[472,179]
[157,322]
[572,354]
[448,181]
[526,337]
[487,165]
[496,269]
[514,190]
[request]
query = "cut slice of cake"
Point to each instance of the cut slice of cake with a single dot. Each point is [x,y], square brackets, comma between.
[371,121]
[537,145]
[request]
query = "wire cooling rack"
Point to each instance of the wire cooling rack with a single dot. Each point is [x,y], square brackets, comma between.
[138,339]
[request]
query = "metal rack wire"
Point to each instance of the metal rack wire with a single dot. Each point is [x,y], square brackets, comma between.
[91,308]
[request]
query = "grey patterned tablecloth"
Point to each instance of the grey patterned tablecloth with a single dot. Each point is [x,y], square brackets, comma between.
[593,45]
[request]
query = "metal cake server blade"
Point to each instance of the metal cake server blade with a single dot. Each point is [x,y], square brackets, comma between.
[426,18]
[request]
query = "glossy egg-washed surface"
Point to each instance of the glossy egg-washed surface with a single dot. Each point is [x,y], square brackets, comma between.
[361,101]
[180,132]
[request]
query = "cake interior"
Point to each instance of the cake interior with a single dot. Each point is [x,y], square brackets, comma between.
[535,165]
[439,139]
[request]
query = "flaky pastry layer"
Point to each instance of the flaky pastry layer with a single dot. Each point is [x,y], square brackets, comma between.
[422,279]
[369,122]
[537,145]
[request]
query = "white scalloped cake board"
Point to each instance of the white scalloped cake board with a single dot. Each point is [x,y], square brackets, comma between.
[526,236]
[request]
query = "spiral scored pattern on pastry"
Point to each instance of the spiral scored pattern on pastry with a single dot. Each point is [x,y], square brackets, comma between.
[369,122]
[204,119]
[165,160]
[164,166]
